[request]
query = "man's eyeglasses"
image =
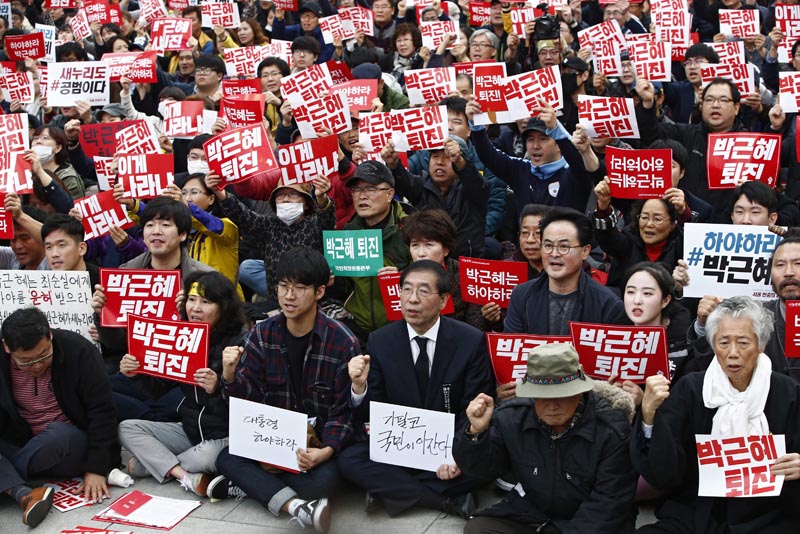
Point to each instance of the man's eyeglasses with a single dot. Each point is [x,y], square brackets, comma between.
[25,365]
[480,46]
[203,70]
[370,190]
[562,248]
[298,291]
[710,100]
[422,292]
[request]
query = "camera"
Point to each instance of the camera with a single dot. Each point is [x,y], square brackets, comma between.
[547,26]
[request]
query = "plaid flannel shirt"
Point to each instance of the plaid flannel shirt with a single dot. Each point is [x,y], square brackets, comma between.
[263,375]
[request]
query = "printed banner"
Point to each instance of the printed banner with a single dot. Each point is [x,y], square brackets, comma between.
[100,212]
[728,260]
[307,84]
[485,281]
[225,14]
[78,80]
[605,117]
[49,34]
[740,23]
[509,353]
[240,154]
[79,24]
[729,51]
[241,87]
[653,61]
[739,466]
[174,350]
[433,33]
[243,61]
[102,11]
[789,94]
[374,130]
[243,110]
[743,75]
[304,161]
[787,18]
[430,86]
[488,83]
[355,253]
[6,220]
[639,174]
[389,284]
[18,86]
[419,128]
[146,293]
[66,496]
[145,175]
[480,14]
[629,352]
[735,158]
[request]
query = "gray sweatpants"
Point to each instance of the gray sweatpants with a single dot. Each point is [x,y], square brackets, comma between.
[162,446]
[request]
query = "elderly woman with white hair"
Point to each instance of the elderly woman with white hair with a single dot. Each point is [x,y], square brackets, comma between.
[738,395]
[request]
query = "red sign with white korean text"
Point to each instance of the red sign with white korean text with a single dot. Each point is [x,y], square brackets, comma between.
[390,292]
[143,68]
[14,132]
[177,5]
[102,11]
[138,138]
[480,13]
[145,175]
[433,33]
[118,64]
[509,353]
[336,27]
[739,466]
[18,86]
[734,158]
[242,61]
[523,92]
[306,85]
[359,93]
[639,174]
[6,220]
[64,4]
[241,87]
[429,86]
[485,281]
[100,138]
[183,119]
[792,329]
[605,117]
[729,51]
[627,352]
[743,75]
[15,174]
[287,5]
[174,350]
[142,292]
[362,18]
[171,34]
[240,154]
[21,47]
[225,14]
[100,212]
[652,61]
[243,110]
[326,112]
[467,67]
[739,22]
[374,130]
[79,24]
[419,128]
[787,18]
[340,72]
[304,161]
[487,82]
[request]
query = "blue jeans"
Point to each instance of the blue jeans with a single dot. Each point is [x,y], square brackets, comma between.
[253,275]
[273,490]
[60,451]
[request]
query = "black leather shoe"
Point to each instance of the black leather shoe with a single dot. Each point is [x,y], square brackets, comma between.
[463,506]
[371,503]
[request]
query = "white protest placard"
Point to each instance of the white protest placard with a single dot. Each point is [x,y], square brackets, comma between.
[523,92]
[66,496]
[789,93]
[49,41]
[78,80]
[79,24]
[374,130]
[266,434]
[433,33]
[739,466]
[419,128]
[410,437]
[652,61]
[727,260]
[139,138]
[605,117]
[336,26]
[430,86]
[740,23]
[362,18]
[14,132]
[225,14]
[331,111]
[63,296]
[729,51]
[742,74]
[307,84]
[17,86]
[787,18]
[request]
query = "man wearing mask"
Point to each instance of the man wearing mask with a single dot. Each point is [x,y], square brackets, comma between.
[574,76]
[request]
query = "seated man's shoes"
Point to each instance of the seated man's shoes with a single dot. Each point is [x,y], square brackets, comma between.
[463,506]
[36,505]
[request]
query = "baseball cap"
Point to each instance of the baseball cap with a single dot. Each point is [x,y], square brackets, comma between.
[372,172]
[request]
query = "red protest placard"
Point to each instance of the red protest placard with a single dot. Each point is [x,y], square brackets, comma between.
[329,112]
[734,158]
[118,64]
[302,162]
[241,87]
[629,352]
[138,138]
[419,128]
[142,292]
[15,174]
[739,22]
[183,119]
[240,154]
[64,4]
[171,34]
[485,281]
[145,175]
[390,292]
[488,83]
[606,117]
[519,18]
[653,61]
[287,5]
[143,68]
[174,350]
[509,353]
[18,86]
[523,92]
[100,212]
[243,110]
[792,329]
[743,75]
[359,93]
[467,67]
[306,85]
[340,72]
[100,138]
[433,33]
[21,47]
[639,174]
[480,13]
[429,86]
[102,11]
[6,220]
[225,14]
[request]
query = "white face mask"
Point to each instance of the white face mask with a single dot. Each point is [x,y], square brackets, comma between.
[195,166]
[45,153]
[289,212]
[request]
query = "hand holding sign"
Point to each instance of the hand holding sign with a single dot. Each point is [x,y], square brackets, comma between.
[787,465]
[310,458]
[655,393]
[128,365]
[547,114]
[473,108]
[358,369]
[389,156]
[479,413]
[207,379]
[646,91]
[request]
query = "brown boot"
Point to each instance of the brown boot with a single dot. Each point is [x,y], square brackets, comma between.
[36,505]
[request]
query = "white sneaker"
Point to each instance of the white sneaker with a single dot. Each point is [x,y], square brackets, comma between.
[314,514]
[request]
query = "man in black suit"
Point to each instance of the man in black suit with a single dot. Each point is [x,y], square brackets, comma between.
[425,361]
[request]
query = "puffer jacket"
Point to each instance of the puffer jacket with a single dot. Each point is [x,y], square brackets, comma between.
[581,482]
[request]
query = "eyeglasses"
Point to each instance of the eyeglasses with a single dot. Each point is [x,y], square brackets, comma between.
[480,46]
[627,65]
[203,70]
[722,100]
[291,195]
[25,365]
[192,192]
[297,291]
[562,248]
[275,74]
[370,190]
[694,61]
[422,292]
[655,219]
[302,52]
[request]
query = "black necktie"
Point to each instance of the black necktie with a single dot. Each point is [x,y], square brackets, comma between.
[421,367]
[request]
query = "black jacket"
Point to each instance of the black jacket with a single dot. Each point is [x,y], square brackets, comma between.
[668,461]
[582,482]
[83,392]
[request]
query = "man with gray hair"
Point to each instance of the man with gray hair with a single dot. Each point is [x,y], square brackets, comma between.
[565,438]
[483,45]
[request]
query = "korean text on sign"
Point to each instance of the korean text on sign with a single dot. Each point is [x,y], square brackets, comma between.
[79,80]
[485,281]
[524,91]
[389,284]
[237,155]
[739,466]
[605,117]
[509,353]
[174,350]
[145,175]
[734,158]
[331,112]
[145,293]
[304,161]
[374,130]
[639,174]
[353,252]
[430,86]
[727,260]
[792,329]
[419,128]
[627,352]
[100,139]
[100,212]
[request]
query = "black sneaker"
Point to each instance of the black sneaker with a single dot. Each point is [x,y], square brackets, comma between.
[217,489]
[315,514]
[235,492]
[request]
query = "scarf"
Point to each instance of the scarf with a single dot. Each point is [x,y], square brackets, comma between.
[548,170]
[402,64]
[739,413]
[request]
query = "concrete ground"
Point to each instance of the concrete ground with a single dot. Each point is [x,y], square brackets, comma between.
[248,517]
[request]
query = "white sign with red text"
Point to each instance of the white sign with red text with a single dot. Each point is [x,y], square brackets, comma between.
[429,86]
[739,466]
[605,117]
[525,92]
[18,86]
[652,61]
[739,23]
[419,128]
[225,14]
[307,84]
[331,112]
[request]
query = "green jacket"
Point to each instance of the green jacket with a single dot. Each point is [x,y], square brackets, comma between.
[391,100]
[365,302]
